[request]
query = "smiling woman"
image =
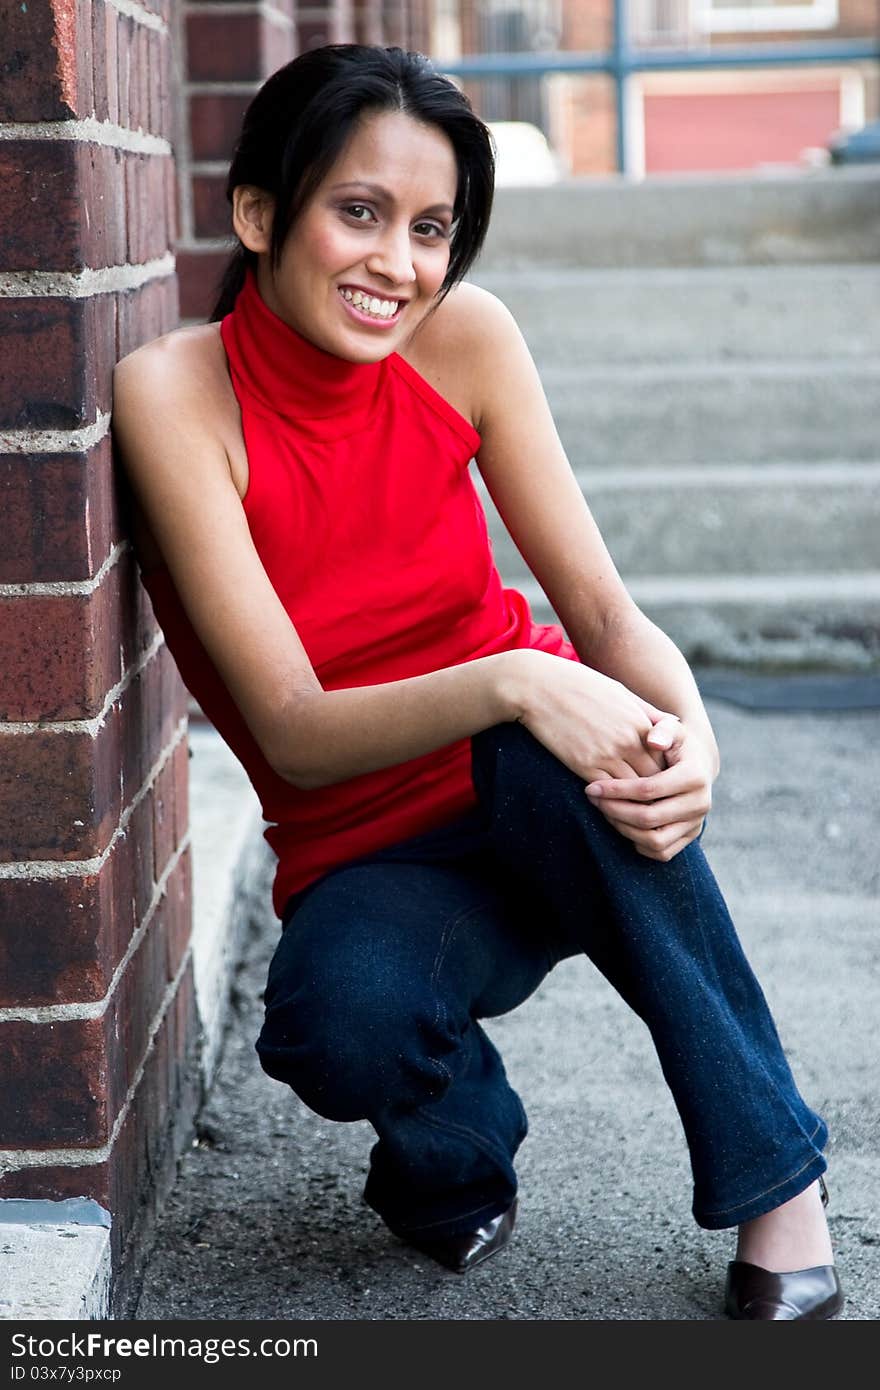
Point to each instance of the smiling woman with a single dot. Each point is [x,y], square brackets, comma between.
[458,797]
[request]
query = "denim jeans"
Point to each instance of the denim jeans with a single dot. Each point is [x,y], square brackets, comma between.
[386,964]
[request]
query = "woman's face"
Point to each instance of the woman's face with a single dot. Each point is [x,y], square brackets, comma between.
[364,261]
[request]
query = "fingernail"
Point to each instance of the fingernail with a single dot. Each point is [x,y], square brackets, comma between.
[660,740]
[594,789]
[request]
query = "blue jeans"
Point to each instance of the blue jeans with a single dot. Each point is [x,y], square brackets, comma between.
[386,964]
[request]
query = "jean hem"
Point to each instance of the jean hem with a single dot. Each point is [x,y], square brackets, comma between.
[463,1224]
[765,1201]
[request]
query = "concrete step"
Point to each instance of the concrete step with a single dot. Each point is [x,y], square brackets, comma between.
[775,623]
[601,317]
[788,411]
[751,519]
[796,218]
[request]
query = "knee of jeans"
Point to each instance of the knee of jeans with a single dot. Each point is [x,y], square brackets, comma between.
[350,1058]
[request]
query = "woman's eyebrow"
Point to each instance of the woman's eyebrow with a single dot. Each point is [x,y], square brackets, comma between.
[379,192]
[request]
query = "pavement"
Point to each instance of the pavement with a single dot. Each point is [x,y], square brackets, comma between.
[266,1220]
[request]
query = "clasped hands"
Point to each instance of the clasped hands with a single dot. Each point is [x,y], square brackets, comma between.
[660,811]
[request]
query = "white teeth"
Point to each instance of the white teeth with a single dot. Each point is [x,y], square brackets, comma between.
[369,304]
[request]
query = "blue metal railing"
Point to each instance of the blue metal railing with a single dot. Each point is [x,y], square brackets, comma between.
[622,60]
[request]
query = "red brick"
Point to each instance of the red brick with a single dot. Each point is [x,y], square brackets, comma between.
[181,791]
[199,275]
[175,915]
[54,1084]
[139,93]
[146,313]
[90,1180]
[98,12]
[60,515]
[125,69]
[368,22]
[158,96]
[109,98]
[78,56]
[212,213]
[154,705]
[314,33]
[162,801]
[63,652]
[172,203]
[146,207]
[139,832]
[62,208]
[215,124]
[59,793]
[57,360]
[226,47]
[36,82]
[52,939]
[103,196]
[140,628]
[135,1002]
[62,938]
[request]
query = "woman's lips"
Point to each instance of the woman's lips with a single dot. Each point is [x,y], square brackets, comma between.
[372,319]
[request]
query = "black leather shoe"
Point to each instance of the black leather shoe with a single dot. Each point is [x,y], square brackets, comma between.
[758,1294]
[461,1252]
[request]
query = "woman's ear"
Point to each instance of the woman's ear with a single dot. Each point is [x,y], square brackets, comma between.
[252,210]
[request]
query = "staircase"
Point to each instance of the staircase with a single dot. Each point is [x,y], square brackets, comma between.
[710,348]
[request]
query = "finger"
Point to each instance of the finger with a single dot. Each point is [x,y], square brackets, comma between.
[665,733]
[665,855]
[654,815]
[660,839]
[661,844]
[616,769]
[672,781]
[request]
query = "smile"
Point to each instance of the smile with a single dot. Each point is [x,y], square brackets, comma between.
[370,307]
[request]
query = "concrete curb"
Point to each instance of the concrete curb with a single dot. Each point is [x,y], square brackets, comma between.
[55,1260]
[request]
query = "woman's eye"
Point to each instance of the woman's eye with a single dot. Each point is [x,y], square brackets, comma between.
[354,209]
[430,229]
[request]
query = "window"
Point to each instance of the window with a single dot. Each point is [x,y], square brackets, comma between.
[763,16]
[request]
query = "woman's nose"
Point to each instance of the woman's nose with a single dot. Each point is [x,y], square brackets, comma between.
[391,257]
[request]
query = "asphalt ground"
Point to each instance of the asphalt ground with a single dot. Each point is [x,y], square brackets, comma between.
[266,1220]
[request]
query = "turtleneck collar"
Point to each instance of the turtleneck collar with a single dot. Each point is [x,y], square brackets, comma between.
[283,374]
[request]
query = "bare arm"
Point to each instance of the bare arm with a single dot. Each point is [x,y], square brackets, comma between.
[537,495]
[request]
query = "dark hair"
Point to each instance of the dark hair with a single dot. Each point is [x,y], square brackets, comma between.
[302,117]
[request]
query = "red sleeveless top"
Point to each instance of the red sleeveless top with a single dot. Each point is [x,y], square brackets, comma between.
[363,511]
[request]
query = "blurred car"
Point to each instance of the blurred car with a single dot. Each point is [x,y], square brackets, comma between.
[856,146]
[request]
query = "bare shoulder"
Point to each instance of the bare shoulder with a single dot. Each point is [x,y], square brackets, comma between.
[188,362]
[180,381]
[459,347]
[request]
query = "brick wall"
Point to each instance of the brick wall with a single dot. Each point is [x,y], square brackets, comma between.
[97,1022]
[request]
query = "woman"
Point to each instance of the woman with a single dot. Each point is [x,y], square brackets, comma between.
[458,797]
